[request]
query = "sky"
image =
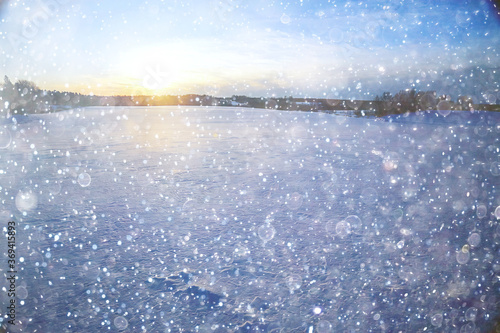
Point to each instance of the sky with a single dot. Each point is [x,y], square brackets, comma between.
[304,48]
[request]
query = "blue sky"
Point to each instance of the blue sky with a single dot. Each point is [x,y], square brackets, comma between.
[335,49]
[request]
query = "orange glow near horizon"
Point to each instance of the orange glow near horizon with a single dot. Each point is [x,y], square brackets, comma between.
[108,87]
[177,68]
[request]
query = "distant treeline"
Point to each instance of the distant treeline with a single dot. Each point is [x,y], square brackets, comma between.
[24,97]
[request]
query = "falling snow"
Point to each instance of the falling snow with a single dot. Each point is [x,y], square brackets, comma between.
[230,218]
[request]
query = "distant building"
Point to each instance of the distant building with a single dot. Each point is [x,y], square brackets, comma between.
[234,103]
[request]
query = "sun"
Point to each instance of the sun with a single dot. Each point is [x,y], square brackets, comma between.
[184,67]
[155,70]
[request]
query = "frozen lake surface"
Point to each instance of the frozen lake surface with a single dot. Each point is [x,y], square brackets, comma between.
[236,220]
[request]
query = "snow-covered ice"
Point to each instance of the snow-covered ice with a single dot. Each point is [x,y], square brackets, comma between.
[175,219]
